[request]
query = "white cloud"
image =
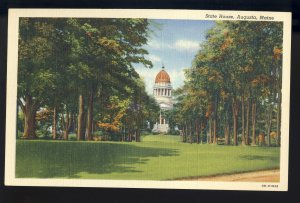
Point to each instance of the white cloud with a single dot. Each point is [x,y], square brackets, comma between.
[189,45]
[154,44]
[153,58]
[177,77]
[159,45]
[179,45]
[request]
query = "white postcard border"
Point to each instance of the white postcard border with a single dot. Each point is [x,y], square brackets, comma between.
[12,64]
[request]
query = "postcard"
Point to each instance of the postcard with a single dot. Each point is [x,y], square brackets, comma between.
[137,98]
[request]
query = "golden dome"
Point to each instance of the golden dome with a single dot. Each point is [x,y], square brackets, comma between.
[162,76]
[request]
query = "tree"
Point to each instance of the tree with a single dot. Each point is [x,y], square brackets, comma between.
[239,66]
[35,73]
[63,58]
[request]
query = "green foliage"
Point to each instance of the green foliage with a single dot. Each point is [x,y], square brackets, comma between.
[62,58]
[239,62]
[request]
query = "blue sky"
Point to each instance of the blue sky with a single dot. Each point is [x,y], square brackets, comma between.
[173,43]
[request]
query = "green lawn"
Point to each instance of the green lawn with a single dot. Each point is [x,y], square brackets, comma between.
[157,157]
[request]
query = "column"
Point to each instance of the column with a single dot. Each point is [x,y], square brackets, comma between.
[159,118]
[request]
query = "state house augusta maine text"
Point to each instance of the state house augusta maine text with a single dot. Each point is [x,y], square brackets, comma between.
[238,17]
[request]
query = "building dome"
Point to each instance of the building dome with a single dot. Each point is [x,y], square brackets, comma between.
[162,76]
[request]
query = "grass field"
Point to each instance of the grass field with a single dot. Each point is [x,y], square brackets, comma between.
[157,157]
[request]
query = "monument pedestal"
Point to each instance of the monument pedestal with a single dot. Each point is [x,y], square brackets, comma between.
[160,128]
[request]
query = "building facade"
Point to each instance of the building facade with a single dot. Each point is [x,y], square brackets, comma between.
[162,91]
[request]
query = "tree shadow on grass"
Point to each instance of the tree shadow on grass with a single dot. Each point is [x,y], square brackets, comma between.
[259,158]
[40,159]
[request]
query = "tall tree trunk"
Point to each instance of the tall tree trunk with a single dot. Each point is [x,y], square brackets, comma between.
[197,130]
[207,134]
[73,122]
[89,125]
[93,127]
[201,131]
[253,122]
[216,106]
[186,131]
[29,111]
[67,126]
[130,136]
[235,141]
[243,121]
[80,128]
[247,121]
[215,130]
[210,130]
[123,134]
[191,133]
[278,119]
[268,124]
[235,119]
[54,125]
[183,133]
[226,131]
[138,134]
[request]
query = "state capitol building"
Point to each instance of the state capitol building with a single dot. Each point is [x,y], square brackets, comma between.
[162,91]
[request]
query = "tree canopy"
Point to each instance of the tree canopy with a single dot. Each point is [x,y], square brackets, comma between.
[238,70]
[81,67]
